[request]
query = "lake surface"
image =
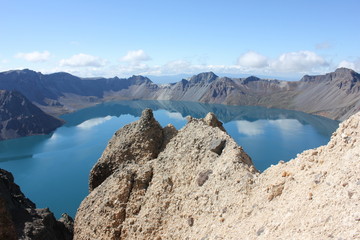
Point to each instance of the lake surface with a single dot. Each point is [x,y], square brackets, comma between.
[53,170]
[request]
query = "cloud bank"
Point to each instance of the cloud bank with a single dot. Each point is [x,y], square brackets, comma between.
[135,57]
[288,65]
[253,60]
[83,60]
[34,56]
[301,61]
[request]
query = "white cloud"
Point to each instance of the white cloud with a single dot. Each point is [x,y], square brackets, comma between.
[83,60]
[298,62]
[354,65]
[135,57]
[253,60]
[34,56]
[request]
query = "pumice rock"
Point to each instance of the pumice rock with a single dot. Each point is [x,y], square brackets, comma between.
[202,185]
[137,142]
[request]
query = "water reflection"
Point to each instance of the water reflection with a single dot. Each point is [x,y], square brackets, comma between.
[94,122]
[285,126]
[179,110]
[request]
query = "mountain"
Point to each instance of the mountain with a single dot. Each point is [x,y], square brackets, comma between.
[19,117]
[333,95]
[197,183]
[20,219]
[62,92]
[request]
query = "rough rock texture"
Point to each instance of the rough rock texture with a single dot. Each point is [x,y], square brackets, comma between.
[19,117]
[19,218]
[202,185]
[146,199]
[137,142]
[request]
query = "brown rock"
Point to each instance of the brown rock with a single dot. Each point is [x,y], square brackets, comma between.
[137,142]
[160,198]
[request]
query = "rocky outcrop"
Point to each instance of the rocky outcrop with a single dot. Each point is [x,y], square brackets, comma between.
[19,117]
[202,185]
[136,143]
[19,218]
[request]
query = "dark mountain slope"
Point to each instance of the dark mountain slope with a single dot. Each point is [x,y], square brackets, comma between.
[19,117]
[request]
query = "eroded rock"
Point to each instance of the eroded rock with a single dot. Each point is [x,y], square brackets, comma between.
[137,142]
[196,187]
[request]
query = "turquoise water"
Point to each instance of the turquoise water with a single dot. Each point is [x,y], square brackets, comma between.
[53,170]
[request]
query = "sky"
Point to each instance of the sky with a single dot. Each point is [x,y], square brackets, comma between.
[280,38]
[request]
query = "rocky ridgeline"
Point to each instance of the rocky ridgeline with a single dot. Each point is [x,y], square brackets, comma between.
[334,95]
[197,183]
[20,219]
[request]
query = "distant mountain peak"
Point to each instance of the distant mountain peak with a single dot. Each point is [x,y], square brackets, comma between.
[206,77]
[344,70]
[251,79]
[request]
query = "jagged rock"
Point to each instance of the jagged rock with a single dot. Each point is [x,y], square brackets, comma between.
[137,142]
[217,146]
[191,192]
[211,120]
[20,219]
[170,192]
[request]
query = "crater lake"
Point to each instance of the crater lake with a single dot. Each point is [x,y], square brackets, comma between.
[53,170]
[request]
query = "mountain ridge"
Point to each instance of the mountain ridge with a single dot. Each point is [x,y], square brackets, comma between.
[333,95]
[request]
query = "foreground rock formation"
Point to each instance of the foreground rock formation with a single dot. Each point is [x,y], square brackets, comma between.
[20,219]
[197,183]
[19,117]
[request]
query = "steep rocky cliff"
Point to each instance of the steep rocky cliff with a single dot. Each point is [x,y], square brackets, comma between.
[197,183]
[19,117]
[19,218]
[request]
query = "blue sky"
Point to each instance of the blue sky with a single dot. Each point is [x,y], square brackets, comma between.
[282,38]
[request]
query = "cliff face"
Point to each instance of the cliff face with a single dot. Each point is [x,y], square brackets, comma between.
[19,218]
[197,183]
[19,117]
